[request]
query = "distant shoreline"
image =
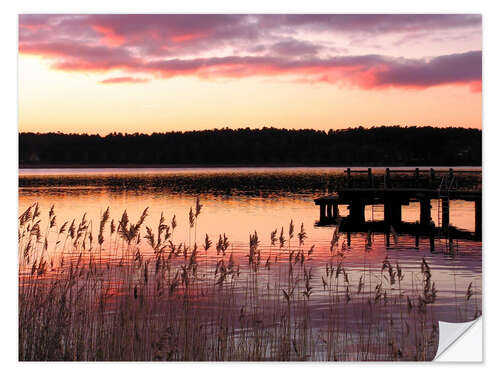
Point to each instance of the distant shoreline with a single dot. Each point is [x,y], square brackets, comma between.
[271,165]
[266,147]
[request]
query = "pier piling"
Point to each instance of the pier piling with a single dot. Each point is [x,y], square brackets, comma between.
[445,204]
[393,198]
[392,212]
[357,212]
[425,211]
[478,216]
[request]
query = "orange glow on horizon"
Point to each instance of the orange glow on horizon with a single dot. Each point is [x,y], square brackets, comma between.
[128,73]
[53,100]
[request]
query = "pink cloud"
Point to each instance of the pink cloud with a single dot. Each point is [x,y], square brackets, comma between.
[109,37]
[124,80]
[166,46]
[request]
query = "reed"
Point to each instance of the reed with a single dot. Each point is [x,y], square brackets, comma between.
[136,295]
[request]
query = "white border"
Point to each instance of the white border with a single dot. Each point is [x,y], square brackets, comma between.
[8,149]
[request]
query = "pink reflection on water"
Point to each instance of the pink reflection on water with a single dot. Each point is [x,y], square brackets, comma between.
[239,216]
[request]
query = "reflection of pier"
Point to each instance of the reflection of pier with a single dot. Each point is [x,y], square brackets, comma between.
[416,230]
[390,199]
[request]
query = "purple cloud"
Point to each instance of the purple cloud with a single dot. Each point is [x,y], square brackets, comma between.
[212,46]
[455,68]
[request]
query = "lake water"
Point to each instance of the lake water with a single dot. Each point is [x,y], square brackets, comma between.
[238,213]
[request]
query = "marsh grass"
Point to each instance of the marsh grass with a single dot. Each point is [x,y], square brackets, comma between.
[250,183]
[133,294]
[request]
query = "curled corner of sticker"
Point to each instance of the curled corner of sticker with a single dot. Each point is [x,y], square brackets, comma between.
[460,342]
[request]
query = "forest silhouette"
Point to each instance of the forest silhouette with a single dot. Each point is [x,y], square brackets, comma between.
[384,145]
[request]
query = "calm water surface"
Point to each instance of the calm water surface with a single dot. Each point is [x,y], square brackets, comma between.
[240,214]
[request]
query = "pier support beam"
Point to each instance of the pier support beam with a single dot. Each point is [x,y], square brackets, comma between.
[387,213]
[387,178]
[478,222]
[357,212]
[392,212]
[445,204]
[335,211]
[432,177]
[328,210]
[425,211]
[322,212]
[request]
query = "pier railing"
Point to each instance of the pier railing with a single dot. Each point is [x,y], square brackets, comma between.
[416,178]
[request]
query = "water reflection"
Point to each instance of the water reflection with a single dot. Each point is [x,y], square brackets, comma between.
[361,255]
[239,216]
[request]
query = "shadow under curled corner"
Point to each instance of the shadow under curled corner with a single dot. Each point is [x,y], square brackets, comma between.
[460,342]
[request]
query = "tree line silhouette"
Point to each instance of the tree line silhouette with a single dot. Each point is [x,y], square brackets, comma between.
[385,145]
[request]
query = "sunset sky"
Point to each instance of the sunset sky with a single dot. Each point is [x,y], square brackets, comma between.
[154,73]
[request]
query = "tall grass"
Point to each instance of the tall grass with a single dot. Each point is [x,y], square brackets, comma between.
[132,293]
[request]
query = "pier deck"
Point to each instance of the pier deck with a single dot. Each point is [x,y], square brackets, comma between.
[393,198]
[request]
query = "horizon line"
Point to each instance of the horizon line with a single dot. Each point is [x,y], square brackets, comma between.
[326,131]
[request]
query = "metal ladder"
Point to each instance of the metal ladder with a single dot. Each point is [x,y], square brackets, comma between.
[444,193]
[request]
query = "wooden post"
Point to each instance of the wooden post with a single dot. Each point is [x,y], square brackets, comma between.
[416,176]
[370,178]
[478,210]
[335,213]
[392,212]
[322,209]
[329,207]
[387,238]
[387,178]
[450,174]
[349,238]
[432,176]
[417,240]
[357,212]
[348,177]
[396,212]
[387,212]
[445,203]
[425,211]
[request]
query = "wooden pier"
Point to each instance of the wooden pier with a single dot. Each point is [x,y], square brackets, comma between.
[392,198]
